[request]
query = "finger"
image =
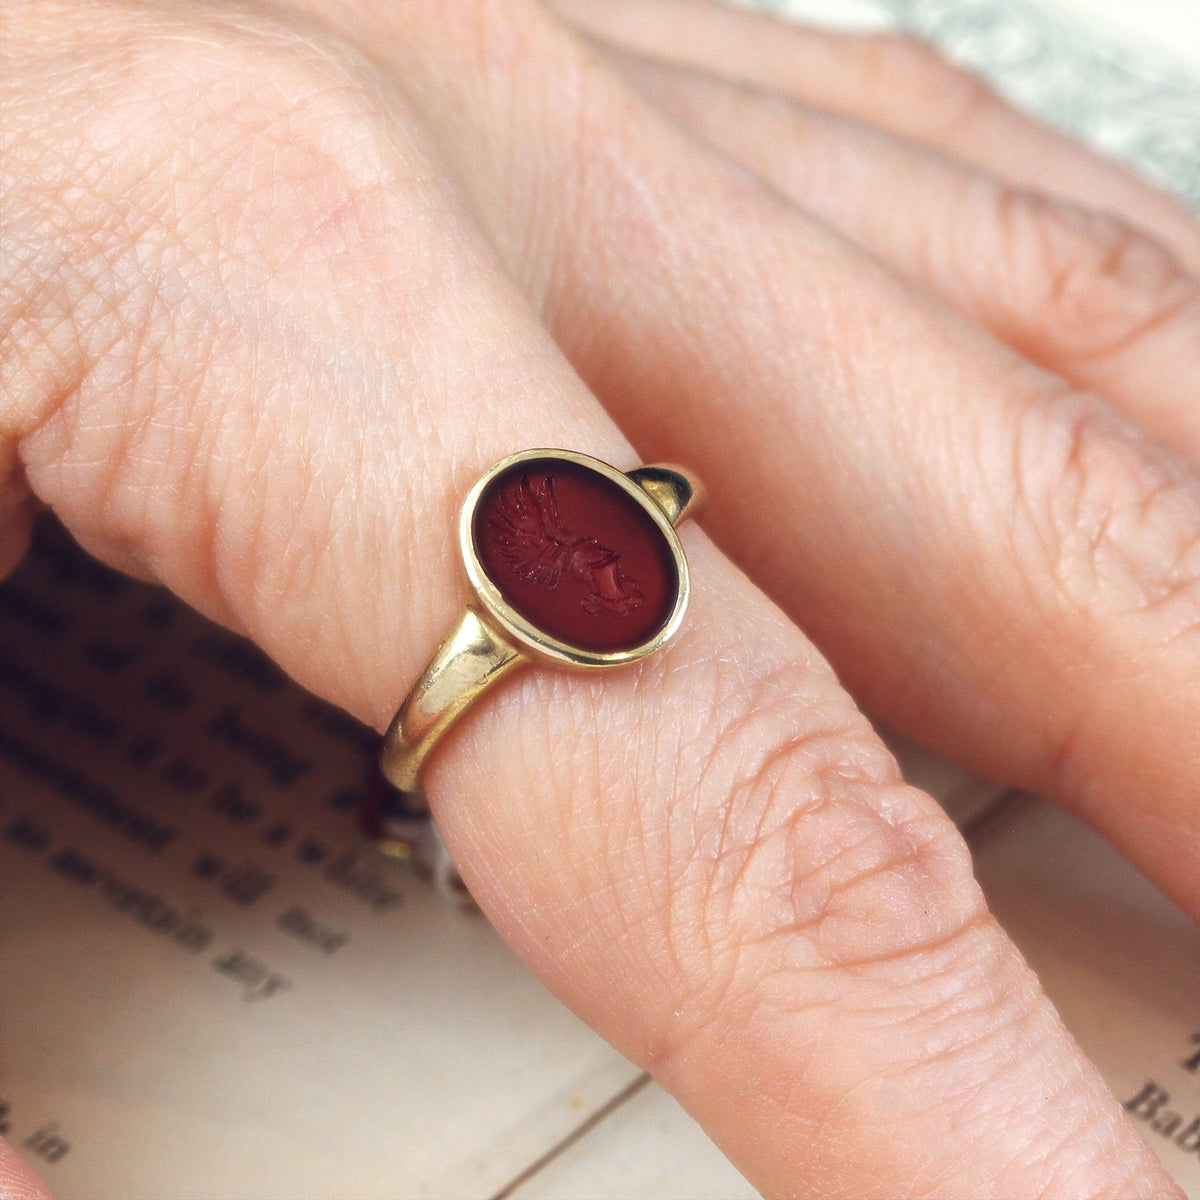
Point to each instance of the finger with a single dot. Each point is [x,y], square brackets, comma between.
[17,1181]
[711,857]
[1078,291]
[998,565]
[897,84]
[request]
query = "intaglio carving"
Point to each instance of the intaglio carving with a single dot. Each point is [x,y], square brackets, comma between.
[530,535]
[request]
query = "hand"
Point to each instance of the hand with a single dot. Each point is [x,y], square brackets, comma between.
[280,284]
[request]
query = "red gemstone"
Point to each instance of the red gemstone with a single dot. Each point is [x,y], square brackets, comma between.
[576,555]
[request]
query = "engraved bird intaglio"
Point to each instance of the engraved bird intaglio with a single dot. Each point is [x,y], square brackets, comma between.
[575,554]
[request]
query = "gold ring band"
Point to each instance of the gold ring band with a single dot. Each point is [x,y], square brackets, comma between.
[570,562]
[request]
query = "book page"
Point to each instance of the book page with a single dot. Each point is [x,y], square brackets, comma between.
[1120,962]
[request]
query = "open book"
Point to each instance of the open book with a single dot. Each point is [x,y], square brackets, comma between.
[212,981]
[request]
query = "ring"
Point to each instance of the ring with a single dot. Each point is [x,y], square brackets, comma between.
[571,563]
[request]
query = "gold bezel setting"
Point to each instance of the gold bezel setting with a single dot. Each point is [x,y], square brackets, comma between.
[519,629]
[491,638]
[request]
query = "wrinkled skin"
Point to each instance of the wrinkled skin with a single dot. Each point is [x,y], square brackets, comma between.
[281,281]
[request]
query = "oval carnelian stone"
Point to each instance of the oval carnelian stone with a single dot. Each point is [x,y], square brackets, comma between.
[577,556]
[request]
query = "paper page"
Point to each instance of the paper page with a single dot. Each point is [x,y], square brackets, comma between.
[644,1148]
[1121,964]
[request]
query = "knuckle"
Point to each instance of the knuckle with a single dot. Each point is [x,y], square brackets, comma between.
[172,121]
[948,99]
[164,147]
[253,88]
[1106,522]
[811,851]
[1105,285]
[810,869]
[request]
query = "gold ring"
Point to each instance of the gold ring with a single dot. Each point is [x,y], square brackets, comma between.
[570,562]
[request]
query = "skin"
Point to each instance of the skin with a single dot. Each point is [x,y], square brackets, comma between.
[281,283]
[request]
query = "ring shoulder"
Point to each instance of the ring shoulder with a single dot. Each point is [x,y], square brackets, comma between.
[470,660]
[675,490]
